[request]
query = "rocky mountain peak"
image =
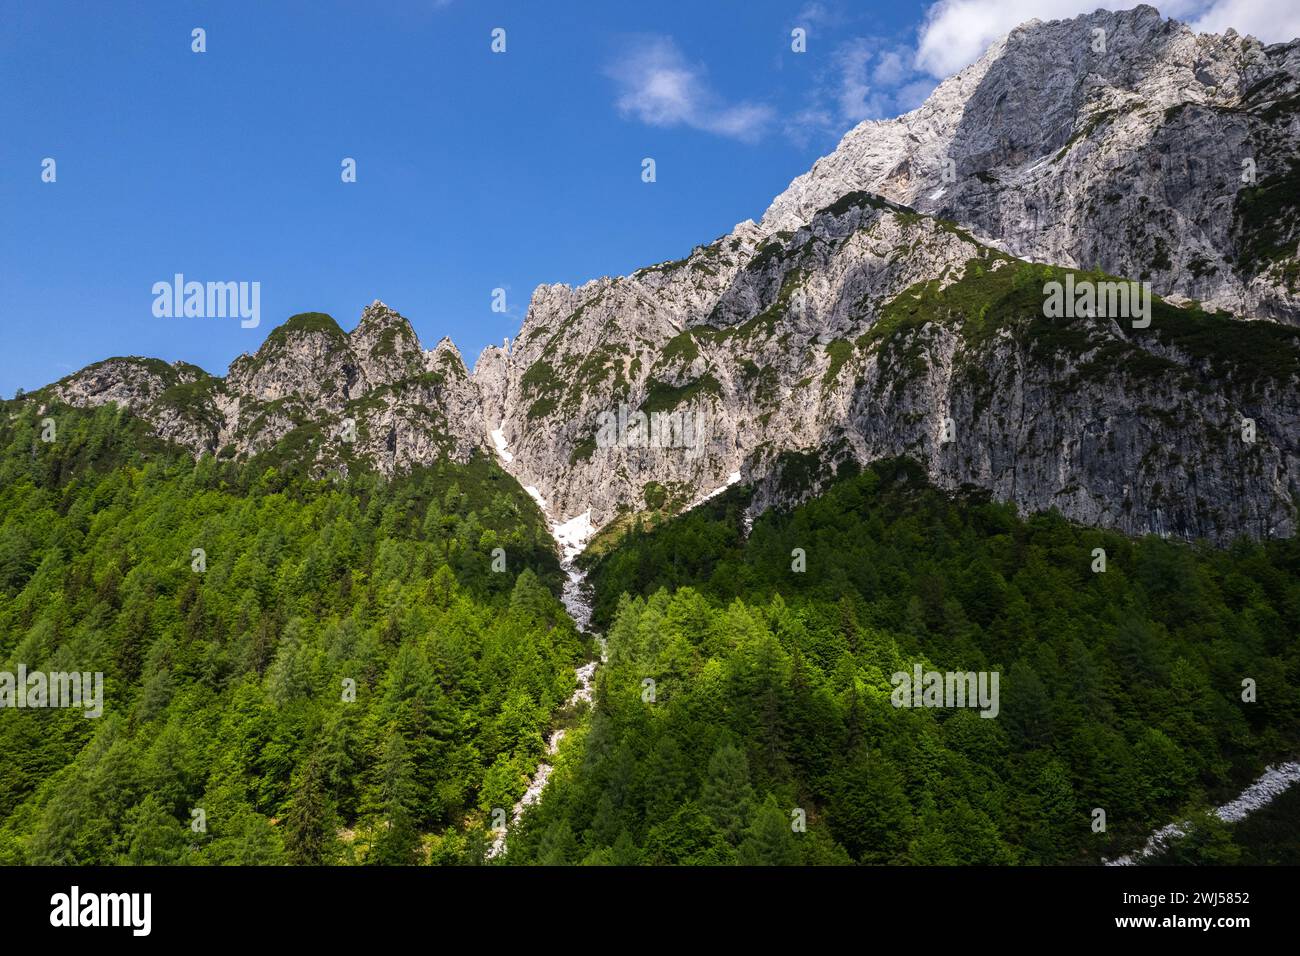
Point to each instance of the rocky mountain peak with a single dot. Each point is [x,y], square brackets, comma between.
[385,347]
[1118,140]
[334,397]
[304,357]
[377,317]
[445,359]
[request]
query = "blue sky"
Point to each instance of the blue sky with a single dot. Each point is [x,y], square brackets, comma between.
[475,170]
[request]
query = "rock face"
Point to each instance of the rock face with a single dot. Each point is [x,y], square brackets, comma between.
[876,331]
[1115,140]
[891,302]
[311,391]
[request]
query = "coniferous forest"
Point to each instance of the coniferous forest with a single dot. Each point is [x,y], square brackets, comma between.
[358,670]
[229,687]
[1120,690]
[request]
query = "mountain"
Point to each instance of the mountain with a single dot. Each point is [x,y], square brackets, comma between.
[1128,158]
[890,303]
[311,391]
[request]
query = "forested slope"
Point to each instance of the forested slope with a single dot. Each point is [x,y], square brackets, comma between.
[740,695]
[1120,690]
[225,686]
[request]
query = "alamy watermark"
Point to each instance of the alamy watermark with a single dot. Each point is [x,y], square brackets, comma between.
[133,911]
[632,428]
[208,300]
[923,688]
[42,689]
[1089,299]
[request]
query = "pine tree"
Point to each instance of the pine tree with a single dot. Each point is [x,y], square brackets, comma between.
[308,824]
[399,841]
[869,811]
[153,836]
[769,841]
[726,794]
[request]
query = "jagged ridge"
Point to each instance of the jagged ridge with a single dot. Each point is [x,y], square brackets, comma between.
[853,322]
[311,391]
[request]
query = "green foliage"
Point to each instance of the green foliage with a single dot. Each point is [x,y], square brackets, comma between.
[1268,837]
[772,687]
[655,495]
[305,322]
[860,200]
[1265,217]
[770,737]
[542,384]
[839,352]
[662,397]
[680,348]
[986,301]
[399,338]
[228,689]
[195,399]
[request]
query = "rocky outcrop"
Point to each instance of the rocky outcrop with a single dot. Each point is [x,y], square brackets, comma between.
[311,392]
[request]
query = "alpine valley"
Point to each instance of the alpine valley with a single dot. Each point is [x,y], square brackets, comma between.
[901,462]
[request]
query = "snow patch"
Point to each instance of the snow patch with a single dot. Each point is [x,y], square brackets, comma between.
[732,479]
[499,439]
[573,535]
[1271,785]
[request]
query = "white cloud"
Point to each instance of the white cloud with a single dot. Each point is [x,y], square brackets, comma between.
[957,32]
[867,78]
[818,14]
[891,69]
[855,97]
[657,86]
[1269,20]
